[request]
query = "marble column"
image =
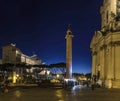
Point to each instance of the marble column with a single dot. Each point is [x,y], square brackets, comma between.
[69,37]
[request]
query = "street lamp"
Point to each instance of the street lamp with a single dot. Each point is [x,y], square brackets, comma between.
[58,75]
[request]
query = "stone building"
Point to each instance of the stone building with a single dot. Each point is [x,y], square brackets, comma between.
[11,54]
[105,46]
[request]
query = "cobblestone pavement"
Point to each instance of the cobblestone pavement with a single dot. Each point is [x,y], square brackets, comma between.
[53,94]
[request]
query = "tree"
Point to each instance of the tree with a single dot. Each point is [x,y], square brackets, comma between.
[58,68]
[88,75]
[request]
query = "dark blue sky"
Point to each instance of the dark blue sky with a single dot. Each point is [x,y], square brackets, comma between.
[39,26]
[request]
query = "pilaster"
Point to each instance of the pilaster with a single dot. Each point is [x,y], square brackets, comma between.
[94,63]
[102,64]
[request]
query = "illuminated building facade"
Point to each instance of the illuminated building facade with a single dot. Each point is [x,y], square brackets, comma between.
[11,54]
[105,46]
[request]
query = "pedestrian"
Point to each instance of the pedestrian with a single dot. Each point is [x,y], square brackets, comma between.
[5,90]
[92,85]
[5,87]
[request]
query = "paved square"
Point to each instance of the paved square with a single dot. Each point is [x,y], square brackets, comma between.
[53,94]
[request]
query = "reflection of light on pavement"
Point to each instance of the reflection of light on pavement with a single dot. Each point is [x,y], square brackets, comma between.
[77,87]
[17,93]
[59,95]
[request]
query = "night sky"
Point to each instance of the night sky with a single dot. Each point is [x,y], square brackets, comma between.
[39,27]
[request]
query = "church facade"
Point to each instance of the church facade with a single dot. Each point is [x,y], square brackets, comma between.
[105,46]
